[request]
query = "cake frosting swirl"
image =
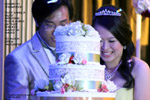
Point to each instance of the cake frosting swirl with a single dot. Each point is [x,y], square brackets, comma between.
[76,29]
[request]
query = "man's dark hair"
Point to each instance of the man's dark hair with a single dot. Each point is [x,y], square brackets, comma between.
[42,9]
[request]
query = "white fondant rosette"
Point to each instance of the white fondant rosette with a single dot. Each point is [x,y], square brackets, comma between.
[107,86]
[91,32]
[142,7]
[57,85]
[110,85]
[63,58]
[67,78]
[76,29]
[79,58]
[65,84]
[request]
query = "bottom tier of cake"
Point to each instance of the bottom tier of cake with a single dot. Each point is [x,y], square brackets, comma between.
[77,94]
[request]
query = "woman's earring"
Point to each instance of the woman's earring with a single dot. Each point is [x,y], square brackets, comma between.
[124,47]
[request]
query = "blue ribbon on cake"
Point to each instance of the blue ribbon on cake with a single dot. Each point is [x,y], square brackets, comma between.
[90,56]
[89,85]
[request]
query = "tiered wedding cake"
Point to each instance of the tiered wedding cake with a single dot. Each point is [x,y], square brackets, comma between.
[77,71]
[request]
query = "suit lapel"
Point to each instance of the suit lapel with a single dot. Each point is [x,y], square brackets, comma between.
[39,54]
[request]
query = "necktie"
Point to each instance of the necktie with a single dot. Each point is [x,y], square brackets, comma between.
[45,45]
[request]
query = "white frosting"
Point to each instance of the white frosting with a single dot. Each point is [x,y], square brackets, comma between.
[77,94]
[110,85]
[76,29]
[77,37]
[78,72]
[77,44]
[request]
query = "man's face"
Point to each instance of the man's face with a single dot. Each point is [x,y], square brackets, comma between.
[59,17]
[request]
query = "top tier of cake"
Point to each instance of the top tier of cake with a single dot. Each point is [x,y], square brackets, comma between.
[77,40]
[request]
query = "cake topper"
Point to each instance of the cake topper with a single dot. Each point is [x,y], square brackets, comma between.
[107,12]
[51,1]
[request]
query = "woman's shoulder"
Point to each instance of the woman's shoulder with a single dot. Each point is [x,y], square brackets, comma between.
[140,66]
[139,62]
[141,74]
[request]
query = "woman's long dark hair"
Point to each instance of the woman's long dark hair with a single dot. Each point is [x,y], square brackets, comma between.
[119,27]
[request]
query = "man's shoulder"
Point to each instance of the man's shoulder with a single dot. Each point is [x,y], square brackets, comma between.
[24,47]
[19,52]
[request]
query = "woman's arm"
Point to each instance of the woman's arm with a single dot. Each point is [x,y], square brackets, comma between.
[141,74]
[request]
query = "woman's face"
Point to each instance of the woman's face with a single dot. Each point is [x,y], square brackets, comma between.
[111,48]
